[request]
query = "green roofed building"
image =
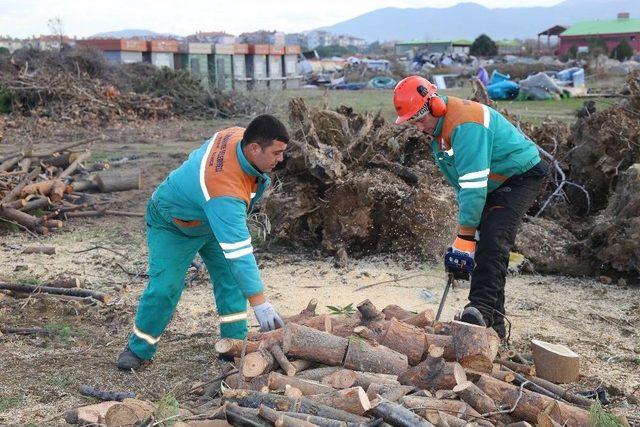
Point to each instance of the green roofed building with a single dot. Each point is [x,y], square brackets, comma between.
[612,32]
[432,46]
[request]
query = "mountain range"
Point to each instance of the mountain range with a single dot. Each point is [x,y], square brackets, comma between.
[468,20]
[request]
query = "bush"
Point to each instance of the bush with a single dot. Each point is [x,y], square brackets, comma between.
[483,46]
[623,51]
[597,47]
[573,51]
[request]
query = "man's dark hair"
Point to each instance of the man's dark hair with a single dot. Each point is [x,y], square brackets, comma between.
[263,130]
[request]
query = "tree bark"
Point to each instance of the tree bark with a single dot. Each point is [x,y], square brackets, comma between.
[238,416]
[434,374]
[369,311]
[341,379]
[517,367]
[280,419]
[422,319]
[307,387]
[74,164]
[321,421]
[472,345]
[442,419]
[353,400]
[399,416]
[405,339]
[362,356]
[389,392]
[311,344]
[36,203]
[113,181]
[366,334]
[396,311]
[317,374]
[444,341]
[31,222]
[282,360]
[456,408]
[233,347]
[529,403]
[560,391]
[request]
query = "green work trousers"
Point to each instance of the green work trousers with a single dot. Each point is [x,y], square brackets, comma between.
[172,248]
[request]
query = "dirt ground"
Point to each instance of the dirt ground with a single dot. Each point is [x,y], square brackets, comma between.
[40,376]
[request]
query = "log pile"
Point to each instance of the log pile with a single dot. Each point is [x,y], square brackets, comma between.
[39,191]
[317,371]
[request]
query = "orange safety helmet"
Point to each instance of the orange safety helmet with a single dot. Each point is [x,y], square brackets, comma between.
[415,96]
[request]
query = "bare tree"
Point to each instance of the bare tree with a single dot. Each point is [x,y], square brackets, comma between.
[57,29]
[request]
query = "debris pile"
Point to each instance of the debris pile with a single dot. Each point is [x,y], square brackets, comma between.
[369,367]
[38,191]
[353,184]
[79,87]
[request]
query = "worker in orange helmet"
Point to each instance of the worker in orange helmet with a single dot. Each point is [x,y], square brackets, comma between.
[496,172]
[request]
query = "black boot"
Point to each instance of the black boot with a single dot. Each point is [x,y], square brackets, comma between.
[473,316]
[128,360]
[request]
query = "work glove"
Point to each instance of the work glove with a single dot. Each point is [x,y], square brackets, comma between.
[458,260]
[267,316]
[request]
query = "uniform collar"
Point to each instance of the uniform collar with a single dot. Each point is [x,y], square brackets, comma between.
[438,128]
[245,165]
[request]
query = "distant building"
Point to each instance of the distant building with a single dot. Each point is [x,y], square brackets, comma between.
[345,40]
[510,47]
[215,37]
[582,34]
[295,39]
[554,31]
[318,38]
[50,42]
[121,51]
[11,44]
[461,46]
[263,37]
[432,46]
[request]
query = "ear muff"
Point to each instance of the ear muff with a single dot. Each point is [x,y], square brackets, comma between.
[437,106]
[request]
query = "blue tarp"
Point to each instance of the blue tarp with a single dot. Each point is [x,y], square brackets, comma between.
[382,82]
[505,89]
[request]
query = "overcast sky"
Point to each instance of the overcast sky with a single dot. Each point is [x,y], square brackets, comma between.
[82,18]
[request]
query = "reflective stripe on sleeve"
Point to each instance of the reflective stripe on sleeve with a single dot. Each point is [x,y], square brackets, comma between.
[203,168]
[236,317]
[474,175]
[478,184]
[486,116]
[238,253]
[231,246]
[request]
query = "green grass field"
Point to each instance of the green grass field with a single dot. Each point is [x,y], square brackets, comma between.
[381,100]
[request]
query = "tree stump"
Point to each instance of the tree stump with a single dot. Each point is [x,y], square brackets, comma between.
[555,362]
[472,345]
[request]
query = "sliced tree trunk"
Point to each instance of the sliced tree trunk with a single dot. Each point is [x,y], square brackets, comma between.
[307,387]
[444,341]
[434,374]
[472,345]
[365,379]
[317,374]
[84,185]
[233,347]
[24,219]
[302,365]
[353,400]
[129,412]
[506,376]
[517,367]
[399,416]
[238,416]
[280,419]
[114,181]
[422,319]
[362,356]
[311,344]
[442,419]
[480,401]
[406,339]
[529,403]
[42,202]
[341,379]
[75,163]
[555,362]
[456,408]
[258,363]
[253,399]
[366,334]
[291,391]
[89,414]
[308,406]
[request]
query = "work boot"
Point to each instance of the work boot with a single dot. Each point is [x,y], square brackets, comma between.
[500,328]
[472,316]
[128,360]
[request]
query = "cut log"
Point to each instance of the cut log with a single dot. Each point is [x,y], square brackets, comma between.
[456,408]
[555,362]
[46,250]
[399,416]
[321,421]
[434,374]
[317,374]
[75,163]
[280,419]
[308,406]
[444,341]
[84,185]
[475,397]
[278,355]
[472,345]
[89,414]
[258,363]
[267,338]
[238,416]
[42,202]
[406,339]
[291,391]
[237,381]
[353,400]
[57,191]
[311,344]
[341,379]
[517,367]
[366,334]
[362,356]
[529,403]
[446,394]
[279,382]
[25,331]
[369,312]
[302,365]
[396,311]
[322,323]
[389,392]
[114,181]
[422,319]
[442,419]
[233,347]
[57,291]
[570,397]
[17,190]
[365,379]
[24,219]
[42,187]
[119,396]
[129,412]
[253,399]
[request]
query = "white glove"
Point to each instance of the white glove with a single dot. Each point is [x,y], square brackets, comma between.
[267,316]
